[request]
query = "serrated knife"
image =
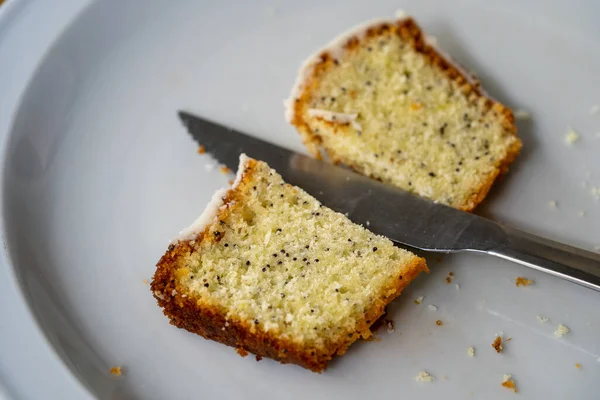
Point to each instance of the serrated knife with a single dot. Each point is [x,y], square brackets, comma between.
[403,217]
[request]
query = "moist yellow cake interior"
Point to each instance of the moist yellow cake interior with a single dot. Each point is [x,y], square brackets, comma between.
[414,127]
[283,262]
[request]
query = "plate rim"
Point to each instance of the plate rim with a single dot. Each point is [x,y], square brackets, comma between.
[14,16]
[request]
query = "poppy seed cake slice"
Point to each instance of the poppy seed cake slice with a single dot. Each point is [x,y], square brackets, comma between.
[382,100]
[268,270]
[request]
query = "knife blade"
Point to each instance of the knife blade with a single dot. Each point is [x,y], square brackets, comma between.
[404,218]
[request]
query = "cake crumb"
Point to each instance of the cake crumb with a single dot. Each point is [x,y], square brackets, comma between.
[561,330]
[224,169]
[578,366]
[116,371]
[521,113]
[439,323]
[230,182]
[242,352]
[552,204]
[541,319]
[571,136]
[497,344]
[258,358]
[595,191]
[201,149]
[520,281]
[390,326]
[471,351]
[509,383]
[145,281]
[424,376]
[432,307]
[368,223]
[419,299]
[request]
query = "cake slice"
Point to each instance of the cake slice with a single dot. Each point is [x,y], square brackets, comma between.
[269,270]
[382,100]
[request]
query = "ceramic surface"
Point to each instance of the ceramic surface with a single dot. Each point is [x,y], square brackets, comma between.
[98,175]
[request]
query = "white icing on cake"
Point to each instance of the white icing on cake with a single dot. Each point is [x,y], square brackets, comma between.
[335,117]
[212,208]
[240,172]
[205,219]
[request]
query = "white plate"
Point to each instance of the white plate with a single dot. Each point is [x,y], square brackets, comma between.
[98,174]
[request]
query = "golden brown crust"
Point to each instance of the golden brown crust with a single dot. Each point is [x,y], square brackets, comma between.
[211,323]
[186,311]
[409,31]
[497,344]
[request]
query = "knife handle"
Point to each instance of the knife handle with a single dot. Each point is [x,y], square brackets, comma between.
[570,263]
